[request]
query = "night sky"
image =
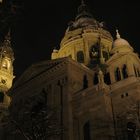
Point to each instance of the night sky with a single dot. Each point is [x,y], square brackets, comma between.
[43,24]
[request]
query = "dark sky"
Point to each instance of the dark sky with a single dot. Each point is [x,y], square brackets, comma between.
[44,22]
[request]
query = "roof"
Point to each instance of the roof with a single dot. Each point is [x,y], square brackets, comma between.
[36,70]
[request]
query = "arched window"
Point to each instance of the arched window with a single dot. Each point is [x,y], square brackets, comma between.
[86,130]
[1,97]
[117,74]
[94,55]
[85,82]
[107,78]
[80,56]
[135,71]
[5,64]
[131,128]
[105,55]
[70,56]
[124,71]
[138,72]
[95,80]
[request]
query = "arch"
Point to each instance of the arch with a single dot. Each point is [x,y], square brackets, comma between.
[85,82]
[1,97]
[124,71]
[131,128]
[138,72]
[5,64]
[105,55]
[95,80]
[70,56]
[94,55]
[80,56]
[107,78]
[94,51]
[135,70]
[117,74]
[86,129]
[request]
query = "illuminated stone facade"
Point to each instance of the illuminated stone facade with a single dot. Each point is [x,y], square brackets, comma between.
[6,72]
[92,80]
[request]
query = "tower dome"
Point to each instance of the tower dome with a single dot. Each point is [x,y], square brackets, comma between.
[83,19]
[83,38]
[121,45]
[6,64]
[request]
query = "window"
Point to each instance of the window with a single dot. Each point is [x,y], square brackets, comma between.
[126,94]
[70,56]
[85,82]
[124,71]
[86,130]
[131,128]
[1,97]
[105,55]
[94,55]
[107,78]
[122,96]
[94,51]
[95,80]
[138,72]
[4,64]
[80,56]
[135,71]
[117,74]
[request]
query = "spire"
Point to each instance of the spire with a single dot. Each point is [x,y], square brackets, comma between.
[82,2]
[6,47]
[83,10]
[117,34]
[7,40]
[8,36]
[82,7]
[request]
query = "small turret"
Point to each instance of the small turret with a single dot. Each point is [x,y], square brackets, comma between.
[6,69]
[121,45]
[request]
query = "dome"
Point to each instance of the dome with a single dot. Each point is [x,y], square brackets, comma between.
[120,41]
[82,37]
[83,19]
[85,23]
[121,45]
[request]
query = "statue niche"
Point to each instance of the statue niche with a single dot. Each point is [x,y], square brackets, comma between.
[94,54]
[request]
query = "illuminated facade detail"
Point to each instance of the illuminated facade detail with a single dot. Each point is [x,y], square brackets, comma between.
[6,70]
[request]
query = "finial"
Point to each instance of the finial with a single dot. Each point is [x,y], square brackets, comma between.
[101,77]
[8,36]
[117,34]
[82,2]
[83,11]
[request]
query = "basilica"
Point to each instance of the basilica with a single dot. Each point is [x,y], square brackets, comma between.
[89,90]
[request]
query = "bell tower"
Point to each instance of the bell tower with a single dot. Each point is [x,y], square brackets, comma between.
[6,71]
